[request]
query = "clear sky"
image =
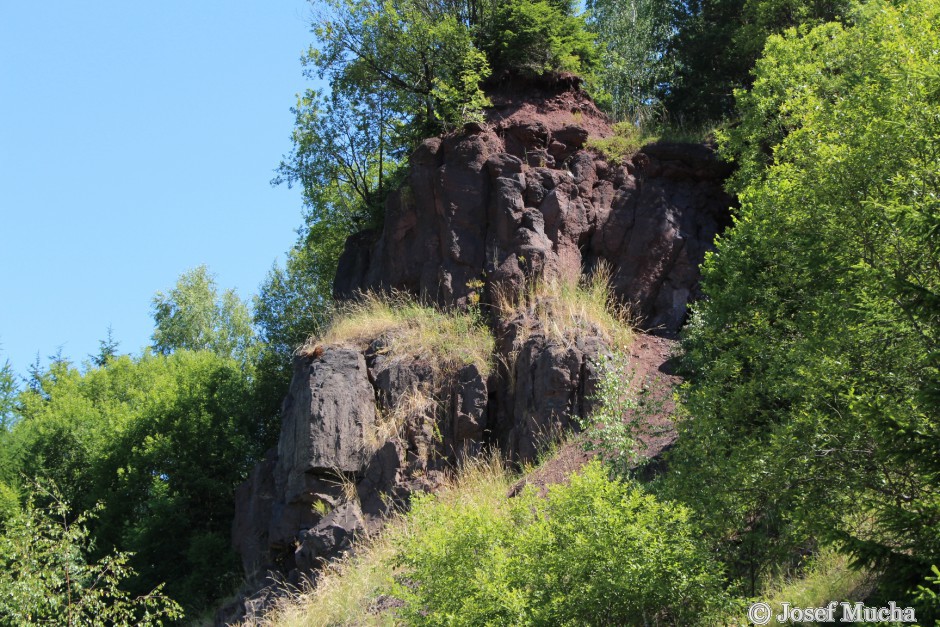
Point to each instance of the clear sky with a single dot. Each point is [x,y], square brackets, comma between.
[137,141]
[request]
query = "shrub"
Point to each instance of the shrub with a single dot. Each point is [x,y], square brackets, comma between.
[813,356]
[615,424]
[596,551]
[45,577]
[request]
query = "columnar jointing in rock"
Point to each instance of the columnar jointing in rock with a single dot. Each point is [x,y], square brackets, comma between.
[519,200]
[505,203]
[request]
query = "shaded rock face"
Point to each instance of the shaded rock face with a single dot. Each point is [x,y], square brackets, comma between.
[360,432]
[522,198]
[543,387]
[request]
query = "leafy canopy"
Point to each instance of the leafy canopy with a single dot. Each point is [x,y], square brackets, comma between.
[194,316]
[8,392]
[160,442]
[717,42]
[538,37]
[634,66]
[814,358]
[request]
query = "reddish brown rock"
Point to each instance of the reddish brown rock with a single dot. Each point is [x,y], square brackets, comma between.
[521,198]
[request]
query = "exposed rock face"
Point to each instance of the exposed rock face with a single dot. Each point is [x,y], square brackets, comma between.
[326,416]
[544,388]
[522,198]
[505,203]
[360,432]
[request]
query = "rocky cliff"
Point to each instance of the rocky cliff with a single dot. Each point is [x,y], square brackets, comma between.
[483,213]
[520,197]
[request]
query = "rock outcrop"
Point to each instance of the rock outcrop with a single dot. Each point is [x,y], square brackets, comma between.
[522,198]
[483,214]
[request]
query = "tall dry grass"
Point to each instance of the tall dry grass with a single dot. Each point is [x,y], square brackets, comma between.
[351,591]
[566,310]
[448,339]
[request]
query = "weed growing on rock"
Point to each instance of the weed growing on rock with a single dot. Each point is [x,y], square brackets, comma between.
[567,310]
[627,140]
[448,339]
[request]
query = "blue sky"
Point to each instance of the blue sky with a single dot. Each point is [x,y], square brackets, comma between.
[137,141]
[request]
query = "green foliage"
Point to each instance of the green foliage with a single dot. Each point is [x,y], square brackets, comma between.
[595,551]
[615,424]
[160,442]
[107,350]
[419,54]
[194,316]
[716,43]
[8,392]
[538,37]
[346,149]
[634,38]
[814,356]
[626,141]
[46,577]
[9,502]
[928,596]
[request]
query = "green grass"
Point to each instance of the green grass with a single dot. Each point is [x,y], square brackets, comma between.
[628,138]
[827,577]
[626,141]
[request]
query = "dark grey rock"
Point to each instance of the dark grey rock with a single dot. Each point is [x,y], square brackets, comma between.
[329,410]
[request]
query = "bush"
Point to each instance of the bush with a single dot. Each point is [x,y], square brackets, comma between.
[596,551]
[45,577]
[615,425]
[538,37]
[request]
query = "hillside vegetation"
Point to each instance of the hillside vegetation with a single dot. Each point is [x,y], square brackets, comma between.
[806,466]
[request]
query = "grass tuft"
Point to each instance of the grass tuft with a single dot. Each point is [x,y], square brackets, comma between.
[448,339]
[628,138]
[827,577]
[566,310]
[623,145]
